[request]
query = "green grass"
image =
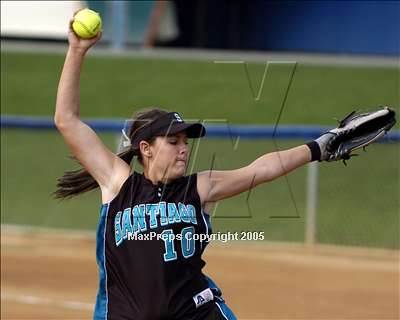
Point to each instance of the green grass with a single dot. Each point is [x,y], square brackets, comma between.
[358,204]
[116,87]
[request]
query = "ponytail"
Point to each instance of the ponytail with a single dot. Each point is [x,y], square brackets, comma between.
[75,182]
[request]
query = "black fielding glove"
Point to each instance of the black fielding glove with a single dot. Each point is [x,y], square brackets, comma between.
[354,131]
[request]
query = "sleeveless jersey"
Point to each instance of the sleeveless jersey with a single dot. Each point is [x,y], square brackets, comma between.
[149,252]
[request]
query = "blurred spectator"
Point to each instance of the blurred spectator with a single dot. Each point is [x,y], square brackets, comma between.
[199,23]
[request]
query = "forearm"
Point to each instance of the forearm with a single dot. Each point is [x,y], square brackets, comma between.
[276,164]
[68,100]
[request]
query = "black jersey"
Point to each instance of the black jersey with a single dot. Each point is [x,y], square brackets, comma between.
[149,252]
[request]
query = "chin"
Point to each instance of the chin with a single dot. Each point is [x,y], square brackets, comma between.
[180,171]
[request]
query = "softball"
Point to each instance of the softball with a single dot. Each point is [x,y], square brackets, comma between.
[86,24]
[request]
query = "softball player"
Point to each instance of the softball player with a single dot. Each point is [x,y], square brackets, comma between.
[149,261]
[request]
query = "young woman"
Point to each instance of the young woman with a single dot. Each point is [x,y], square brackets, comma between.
[149,261]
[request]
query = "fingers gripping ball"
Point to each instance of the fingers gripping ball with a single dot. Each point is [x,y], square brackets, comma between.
[86,24]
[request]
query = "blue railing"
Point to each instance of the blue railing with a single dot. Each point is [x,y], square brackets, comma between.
[213,130]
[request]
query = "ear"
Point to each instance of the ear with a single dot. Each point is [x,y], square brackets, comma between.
[145,149]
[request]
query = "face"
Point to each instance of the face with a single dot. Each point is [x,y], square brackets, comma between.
[170,154]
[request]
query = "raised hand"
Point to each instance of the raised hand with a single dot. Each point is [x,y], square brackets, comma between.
[80,44]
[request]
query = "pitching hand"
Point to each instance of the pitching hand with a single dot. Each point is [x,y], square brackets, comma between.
[78,43]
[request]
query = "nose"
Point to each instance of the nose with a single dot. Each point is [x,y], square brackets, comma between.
[184,149]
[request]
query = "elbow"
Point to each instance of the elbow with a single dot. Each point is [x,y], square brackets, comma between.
[63,122]
[59,122]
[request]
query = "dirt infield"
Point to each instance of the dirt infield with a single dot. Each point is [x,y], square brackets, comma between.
[53,275]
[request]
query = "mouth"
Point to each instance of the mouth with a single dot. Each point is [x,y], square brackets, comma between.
[181,161]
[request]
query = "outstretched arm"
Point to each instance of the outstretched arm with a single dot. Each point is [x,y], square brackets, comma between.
[106,168]
[354,131]
[218,185]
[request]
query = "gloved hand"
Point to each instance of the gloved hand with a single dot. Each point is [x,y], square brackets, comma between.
[354,131]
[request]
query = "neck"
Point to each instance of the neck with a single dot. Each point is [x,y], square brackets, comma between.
[156,177]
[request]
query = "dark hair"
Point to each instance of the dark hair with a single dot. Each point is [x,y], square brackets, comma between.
[75,182]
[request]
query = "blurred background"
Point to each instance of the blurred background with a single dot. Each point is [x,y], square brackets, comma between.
[263,75]
[356,27]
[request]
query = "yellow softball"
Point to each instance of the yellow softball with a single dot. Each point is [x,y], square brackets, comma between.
[86,24]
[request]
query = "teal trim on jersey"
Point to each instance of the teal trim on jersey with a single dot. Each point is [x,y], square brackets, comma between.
[225,311]
[101,308]
[207,223]
[207,219]
[219,301]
